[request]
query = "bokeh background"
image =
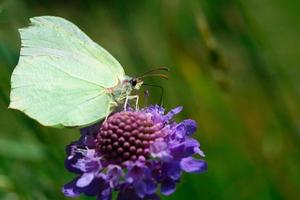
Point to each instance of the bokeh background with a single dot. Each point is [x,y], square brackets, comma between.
[234,67]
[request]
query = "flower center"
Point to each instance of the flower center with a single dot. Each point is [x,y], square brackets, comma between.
[127,136]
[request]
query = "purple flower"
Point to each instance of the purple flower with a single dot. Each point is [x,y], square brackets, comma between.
[134,153]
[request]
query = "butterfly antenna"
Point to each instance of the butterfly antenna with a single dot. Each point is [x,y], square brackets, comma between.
[155,70]
[158,75]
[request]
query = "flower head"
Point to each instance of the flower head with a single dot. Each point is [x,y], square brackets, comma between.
[135,153]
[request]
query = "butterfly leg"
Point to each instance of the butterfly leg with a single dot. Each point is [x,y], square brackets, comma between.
[136,97]
[136,102]
[108,111]
[125,103]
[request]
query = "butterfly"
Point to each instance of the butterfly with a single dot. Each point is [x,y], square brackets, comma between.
[64,79]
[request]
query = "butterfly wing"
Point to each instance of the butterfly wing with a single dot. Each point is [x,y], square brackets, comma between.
[62,74]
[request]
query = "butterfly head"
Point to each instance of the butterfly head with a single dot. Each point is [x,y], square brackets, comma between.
[136,83]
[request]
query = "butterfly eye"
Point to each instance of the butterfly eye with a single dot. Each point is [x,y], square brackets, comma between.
[133,82]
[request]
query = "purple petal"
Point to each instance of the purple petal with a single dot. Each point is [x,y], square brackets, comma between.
[190,146]
[185,149]
[160,150]
[114,172]
[177,150]
[70,189]
[140,189]
[180,133]
[157,174]
[173,112]
[74,153]
[70,192]
[70,164]
[190,126]
[135,174]
[199,151]
[158,147]
[192,165]
[85,180]
[92,166]
[151,186]
[156,109]
[106,194]
[172,170]
[97,186]
[168,186]
[88,162]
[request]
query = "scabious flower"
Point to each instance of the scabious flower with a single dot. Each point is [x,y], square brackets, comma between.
[133,152]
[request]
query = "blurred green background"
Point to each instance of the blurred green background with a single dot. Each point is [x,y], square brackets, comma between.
[234,67]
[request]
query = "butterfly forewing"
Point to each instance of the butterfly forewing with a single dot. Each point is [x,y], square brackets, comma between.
[62,74]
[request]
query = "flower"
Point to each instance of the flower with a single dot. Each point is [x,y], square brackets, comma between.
[133,152]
